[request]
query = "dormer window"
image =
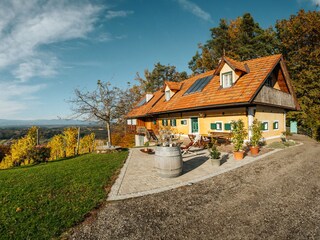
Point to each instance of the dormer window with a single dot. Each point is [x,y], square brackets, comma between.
[167,95]
[227,79]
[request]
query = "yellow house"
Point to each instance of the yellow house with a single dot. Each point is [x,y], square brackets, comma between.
[258,88]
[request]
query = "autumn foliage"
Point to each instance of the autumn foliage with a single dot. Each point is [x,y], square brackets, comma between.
[25,150]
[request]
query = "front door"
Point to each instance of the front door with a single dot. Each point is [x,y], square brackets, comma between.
[194,125]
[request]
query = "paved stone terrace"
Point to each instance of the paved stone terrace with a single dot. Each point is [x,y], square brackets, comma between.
[138,177]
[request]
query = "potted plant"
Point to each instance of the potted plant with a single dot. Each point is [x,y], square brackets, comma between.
[256,136]
[215,156]
[239,133]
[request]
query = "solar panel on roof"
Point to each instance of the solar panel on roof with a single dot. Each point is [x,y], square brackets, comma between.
[198,85]
[143,101]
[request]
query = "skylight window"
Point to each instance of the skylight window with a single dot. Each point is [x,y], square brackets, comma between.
[143,101]
[198,85]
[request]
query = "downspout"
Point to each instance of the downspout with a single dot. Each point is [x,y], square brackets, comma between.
[250,121]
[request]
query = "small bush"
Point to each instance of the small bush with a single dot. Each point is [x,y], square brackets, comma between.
[4,150]
[40,154]
[214,153]
[239,133]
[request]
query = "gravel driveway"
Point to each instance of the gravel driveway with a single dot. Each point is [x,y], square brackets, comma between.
[274,198]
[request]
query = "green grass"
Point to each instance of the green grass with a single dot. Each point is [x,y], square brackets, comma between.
[42,201]
[281,144]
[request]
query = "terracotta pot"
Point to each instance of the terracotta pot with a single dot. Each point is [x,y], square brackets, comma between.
[254,150]
[238,155]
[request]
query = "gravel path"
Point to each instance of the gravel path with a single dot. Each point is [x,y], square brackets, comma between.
[274,198]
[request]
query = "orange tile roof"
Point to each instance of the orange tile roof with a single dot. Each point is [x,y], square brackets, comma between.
[212,95]
[174,85]
[235,64]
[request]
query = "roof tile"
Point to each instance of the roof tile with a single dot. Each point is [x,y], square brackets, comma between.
[212,94]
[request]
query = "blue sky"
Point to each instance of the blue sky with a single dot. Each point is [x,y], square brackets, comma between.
[49,48]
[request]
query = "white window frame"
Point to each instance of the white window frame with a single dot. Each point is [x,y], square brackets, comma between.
[267,126]
[222,127]
[167,95]
[275,121]
[133,121]
[129,122]
[229,79]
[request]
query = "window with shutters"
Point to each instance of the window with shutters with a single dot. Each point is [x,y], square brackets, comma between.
[164,122]
[216,126]
[276,125]
[265,126]
[184,122]
[173,122]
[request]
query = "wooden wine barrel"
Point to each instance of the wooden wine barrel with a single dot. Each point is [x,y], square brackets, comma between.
[168,161]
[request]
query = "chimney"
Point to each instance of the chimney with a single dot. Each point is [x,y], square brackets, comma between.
[149,96]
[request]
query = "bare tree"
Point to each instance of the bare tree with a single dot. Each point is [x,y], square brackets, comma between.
[100,104]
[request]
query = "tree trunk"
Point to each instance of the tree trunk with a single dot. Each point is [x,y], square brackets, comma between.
[109,143]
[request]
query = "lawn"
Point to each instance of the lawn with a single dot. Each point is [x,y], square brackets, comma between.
[40,202]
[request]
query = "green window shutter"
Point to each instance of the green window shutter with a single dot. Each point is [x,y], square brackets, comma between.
[174,122]
[227,126]
[154,122]
[164,122]
[262,126]
[213,126]
[274,125]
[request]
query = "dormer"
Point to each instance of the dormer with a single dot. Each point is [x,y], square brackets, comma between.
[170,88]
[230,71]
[149,96]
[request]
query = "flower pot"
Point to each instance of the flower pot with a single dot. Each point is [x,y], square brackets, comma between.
[238,155]
[254,150]
[216,162]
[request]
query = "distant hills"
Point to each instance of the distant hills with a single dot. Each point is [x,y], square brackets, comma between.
[43,122]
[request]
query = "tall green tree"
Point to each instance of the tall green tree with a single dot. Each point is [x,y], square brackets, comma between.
[240,39]
[300,45]
[153,80]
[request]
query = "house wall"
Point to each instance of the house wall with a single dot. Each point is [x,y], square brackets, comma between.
[209,116]
[270,114]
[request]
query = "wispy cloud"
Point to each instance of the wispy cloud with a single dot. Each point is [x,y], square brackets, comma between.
[195,10]
[22,34]
[16,97]
[27,29]
[116,14]
[316,2]
[36,68]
